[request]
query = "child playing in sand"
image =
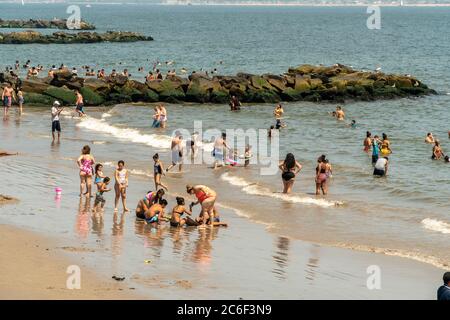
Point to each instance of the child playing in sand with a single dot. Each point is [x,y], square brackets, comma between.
[177,212]
[102,187]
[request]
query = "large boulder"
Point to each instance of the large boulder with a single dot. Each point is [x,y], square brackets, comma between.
[277,82]
[302,83]
[37,99]
[62,94]
[200,88]
[167,90]
[35,85]
[90,97]
[97,85]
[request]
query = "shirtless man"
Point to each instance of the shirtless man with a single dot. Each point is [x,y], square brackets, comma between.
[429,138]
[278,112]
[7,96]
[219,150]
[177,151]
[367,141]
[79,104]
[340,114]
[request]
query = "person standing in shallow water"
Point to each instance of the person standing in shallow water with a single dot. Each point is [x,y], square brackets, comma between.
[56,125]
[323,172]
[85,162]
[367,142]
[79,104]
[121,185]
[289,168]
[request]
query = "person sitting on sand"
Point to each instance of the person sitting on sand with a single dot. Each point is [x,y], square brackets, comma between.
[437,151]
[155,214]
[150,199]
[177,212]
[429,138]
[206,197]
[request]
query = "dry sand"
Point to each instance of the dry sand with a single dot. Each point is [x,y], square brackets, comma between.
[34,268]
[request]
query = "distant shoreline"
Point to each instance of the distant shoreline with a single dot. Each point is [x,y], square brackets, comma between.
[240,4]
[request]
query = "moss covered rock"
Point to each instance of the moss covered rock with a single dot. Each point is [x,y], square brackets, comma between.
[91,97]
[62,94]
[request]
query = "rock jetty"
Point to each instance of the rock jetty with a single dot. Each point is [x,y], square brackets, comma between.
[43,24]
[336,83]
[29,36]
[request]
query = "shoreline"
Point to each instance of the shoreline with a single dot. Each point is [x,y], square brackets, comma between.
[36,270]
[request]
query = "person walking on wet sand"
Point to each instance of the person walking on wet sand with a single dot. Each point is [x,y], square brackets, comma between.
[121,185]
[85,162]
[289,168]
[56,125]
[206,197]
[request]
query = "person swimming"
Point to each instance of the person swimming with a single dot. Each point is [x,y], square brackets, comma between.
[437,151]
[429,138]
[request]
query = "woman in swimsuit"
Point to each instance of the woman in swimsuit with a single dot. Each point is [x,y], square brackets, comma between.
[206,197]
[158,171]
[385,145]
[121,185]
[367,142]
[437,151]
[323,170]
[289,168]
[150,199]
[85,162]
[177,212]
[278,112]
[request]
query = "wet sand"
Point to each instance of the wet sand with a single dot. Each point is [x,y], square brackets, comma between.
[244,260]
[34,268]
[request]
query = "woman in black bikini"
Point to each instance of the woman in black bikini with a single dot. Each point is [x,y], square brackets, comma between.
[177,212]
[158,171]
[289,168]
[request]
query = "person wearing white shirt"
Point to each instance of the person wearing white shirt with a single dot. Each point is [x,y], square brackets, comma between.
[381,167]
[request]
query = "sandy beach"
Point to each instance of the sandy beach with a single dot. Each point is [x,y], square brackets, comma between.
[34,268]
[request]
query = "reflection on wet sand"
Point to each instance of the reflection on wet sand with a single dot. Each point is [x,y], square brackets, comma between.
[117,233]
[82,226]
[313,263]
[281,257]
[203,246]
[98,224]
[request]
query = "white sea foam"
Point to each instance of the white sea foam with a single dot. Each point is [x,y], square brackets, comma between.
[126,134]
[254,189]
[417,256]
[436,225]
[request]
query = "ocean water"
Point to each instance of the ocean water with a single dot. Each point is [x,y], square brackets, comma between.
[406,214]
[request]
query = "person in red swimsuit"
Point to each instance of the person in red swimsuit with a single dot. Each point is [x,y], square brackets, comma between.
[206,197]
